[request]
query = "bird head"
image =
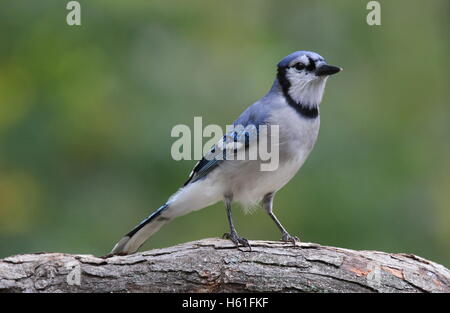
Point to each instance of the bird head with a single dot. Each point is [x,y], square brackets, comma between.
[302,76]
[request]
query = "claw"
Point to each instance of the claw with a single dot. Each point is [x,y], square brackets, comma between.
[110,255]
[288,238]
[233,236]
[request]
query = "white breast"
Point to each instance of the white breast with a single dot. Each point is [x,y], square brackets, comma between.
[297,138]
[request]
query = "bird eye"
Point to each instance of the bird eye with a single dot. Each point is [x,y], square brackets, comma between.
[299,66]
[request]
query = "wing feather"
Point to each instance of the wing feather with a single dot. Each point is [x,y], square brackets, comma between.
[232,142]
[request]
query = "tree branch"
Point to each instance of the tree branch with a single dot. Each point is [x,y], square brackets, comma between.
[215,265]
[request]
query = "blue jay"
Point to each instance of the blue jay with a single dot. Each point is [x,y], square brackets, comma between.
[293,104]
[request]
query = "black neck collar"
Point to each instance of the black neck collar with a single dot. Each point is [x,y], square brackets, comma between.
[303,110]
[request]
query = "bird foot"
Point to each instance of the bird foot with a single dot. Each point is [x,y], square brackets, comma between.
[107,256]
[288,238]
[110,255]
[233,236]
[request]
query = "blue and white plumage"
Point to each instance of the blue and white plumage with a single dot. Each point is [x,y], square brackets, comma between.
[293,104]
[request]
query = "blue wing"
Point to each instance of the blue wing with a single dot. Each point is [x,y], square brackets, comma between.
[232,142]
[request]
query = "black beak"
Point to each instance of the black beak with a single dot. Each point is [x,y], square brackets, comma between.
[326,70]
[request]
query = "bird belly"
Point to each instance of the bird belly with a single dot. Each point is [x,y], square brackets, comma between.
[249,188]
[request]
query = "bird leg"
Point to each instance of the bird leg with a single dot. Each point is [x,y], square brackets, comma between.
[233,235]
[285,236]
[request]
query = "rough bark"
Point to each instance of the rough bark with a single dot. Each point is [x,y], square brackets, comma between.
[215,265]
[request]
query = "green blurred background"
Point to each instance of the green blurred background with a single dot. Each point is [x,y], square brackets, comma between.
[86,114]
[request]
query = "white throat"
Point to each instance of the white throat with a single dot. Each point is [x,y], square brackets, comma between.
[305,88]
